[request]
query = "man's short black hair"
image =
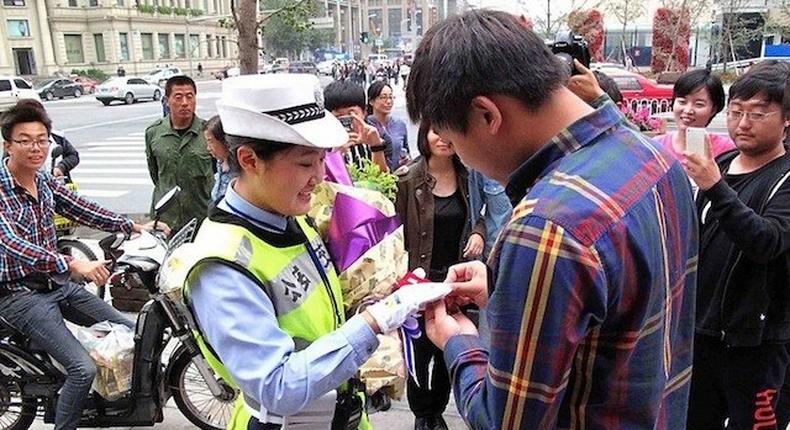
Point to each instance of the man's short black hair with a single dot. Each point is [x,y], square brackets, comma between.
[20,114]
[609,86]
[766,80]
[694,80]
[179,80]
[344,94]
[482,52]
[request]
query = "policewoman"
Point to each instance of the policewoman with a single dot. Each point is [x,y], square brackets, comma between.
[262,287]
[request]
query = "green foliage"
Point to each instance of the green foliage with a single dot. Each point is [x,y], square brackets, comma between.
[96,74]
[371,177]
[146,8]
[164,10]
[226,22]
[182,11]
[290,28]
[196,12]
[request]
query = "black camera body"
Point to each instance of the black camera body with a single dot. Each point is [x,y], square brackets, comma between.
[568,46]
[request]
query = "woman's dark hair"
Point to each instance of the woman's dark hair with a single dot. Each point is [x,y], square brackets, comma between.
[344,94]
[264,149]
[374,91]
[425,148]
[214,126]
[20,114]
[766,79]
[479,53]
[693,81]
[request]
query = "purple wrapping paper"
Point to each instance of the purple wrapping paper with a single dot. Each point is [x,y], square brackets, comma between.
[336,170]
[355,227]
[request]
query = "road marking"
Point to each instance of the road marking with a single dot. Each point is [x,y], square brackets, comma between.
[138,162]
[113,148]
[107,154]
[124,138]
[113,171]
[120,121]
[112,194]
[112,181]
[139,133]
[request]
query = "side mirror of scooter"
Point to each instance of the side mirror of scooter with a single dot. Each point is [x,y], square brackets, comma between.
[111,245]
[166,202]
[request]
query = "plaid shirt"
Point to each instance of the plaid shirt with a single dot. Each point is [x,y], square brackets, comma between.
[592,312]
[27,229]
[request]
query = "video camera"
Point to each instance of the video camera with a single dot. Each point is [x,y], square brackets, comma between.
[568,46]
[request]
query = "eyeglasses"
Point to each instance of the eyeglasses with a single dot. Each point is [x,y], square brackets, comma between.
[736,115]
[385,98]
[25,143]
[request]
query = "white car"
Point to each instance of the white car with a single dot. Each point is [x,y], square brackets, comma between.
[129,89]
[13,89]
[160,76]
[325,67]
[234,71]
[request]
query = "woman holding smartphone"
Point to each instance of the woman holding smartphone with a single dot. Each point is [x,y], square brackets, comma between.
[698,96]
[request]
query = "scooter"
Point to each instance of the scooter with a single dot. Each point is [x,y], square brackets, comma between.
[30,380]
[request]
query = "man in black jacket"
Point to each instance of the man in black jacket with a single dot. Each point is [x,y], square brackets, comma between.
[743,301]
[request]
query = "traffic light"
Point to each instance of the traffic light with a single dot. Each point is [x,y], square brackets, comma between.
[364,37]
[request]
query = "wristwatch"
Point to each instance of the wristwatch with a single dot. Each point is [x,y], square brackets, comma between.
[377,148]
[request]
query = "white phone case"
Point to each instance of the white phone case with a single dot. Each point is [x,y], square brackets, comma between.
[695,140]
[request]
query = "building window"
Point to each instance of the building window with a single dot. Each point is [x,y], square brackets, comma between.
[209,47]
[18,28]
[147,44]
[119,3]
[93,3]
[223,49]
[13,2]
[74,48]
[180,51]
[396,23]
[98,40]
[164,45]
[194,46]
[124,39]
[72,3]
[205,6]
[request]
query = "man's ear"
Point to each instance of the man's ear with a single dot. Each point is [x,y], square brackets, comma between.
[485,112]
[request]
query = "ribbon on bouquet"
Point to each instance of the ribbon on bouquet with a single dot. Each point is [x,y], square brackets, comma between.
[410,330]
[355,227]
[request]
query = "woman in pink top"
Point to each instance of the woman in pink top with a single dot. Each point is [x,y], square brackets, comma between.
[697,97]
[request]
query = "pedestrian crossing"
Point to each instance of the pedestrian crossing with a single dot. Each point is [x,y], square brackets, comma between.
[113,167]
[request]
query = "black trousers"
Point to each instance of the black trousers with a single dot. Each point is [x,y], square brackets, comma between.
[741,384]
[433,393]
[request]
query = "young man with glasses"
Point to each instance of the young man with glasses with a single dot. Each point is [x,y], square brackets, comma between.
[743,302]
[35,291]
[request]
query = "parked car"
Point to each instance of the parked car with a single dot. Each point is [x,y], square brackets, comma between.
[233,71]
[325,67]
[303,67]
[13,89]
[639,91]
[51,89]
[129,89]
[160,76]
[88,84]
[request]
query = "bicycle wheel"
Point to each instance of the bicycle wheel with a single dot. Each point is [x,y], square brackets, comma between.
[193,398]
[81,250]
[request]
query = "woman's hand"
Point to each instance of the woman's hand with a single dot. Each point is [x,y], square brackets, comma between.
[474,246]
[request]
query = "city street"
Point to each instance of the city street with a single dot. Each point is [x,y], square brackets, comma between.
[111,143]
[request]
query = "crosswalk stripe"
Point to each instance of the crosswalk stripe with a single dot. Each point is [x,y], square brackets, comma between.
[119,148]
[105,143]
[112,194]
[103,154]
[111,181]
[120,171]
[118,138]
[136,162]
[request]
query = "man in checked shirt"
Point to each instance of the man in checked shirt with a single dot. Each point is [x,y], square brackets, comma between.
[35,291]
[590,298]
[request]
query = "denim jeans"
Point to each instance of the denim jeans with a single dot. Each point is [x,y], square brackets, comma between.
[40,316]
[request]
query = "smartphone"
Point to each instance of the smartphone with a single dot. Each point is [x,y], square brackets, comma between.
[348,123]
[695,140]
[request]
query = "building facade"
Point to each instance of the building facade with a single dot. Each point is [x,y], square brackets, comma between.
[44,37]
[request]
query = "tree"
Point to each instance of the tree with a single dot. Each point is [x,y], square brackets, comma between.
[777,20]
[589,24]
[552,20]
[739,30]
[288,16]
[626,11]
[671,38]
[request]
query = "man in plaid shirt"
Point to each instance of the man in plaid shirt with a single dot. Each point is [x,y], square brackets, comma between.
[35,291]
[591,301]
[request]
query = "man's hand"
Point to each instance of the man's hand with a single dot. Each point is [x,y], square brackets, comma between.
[94,271]
[585,84]
[56,172]
[149,226]
[391,312]
[702,168]
[469,281]
[368,134]
[441,326]
[474,246]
